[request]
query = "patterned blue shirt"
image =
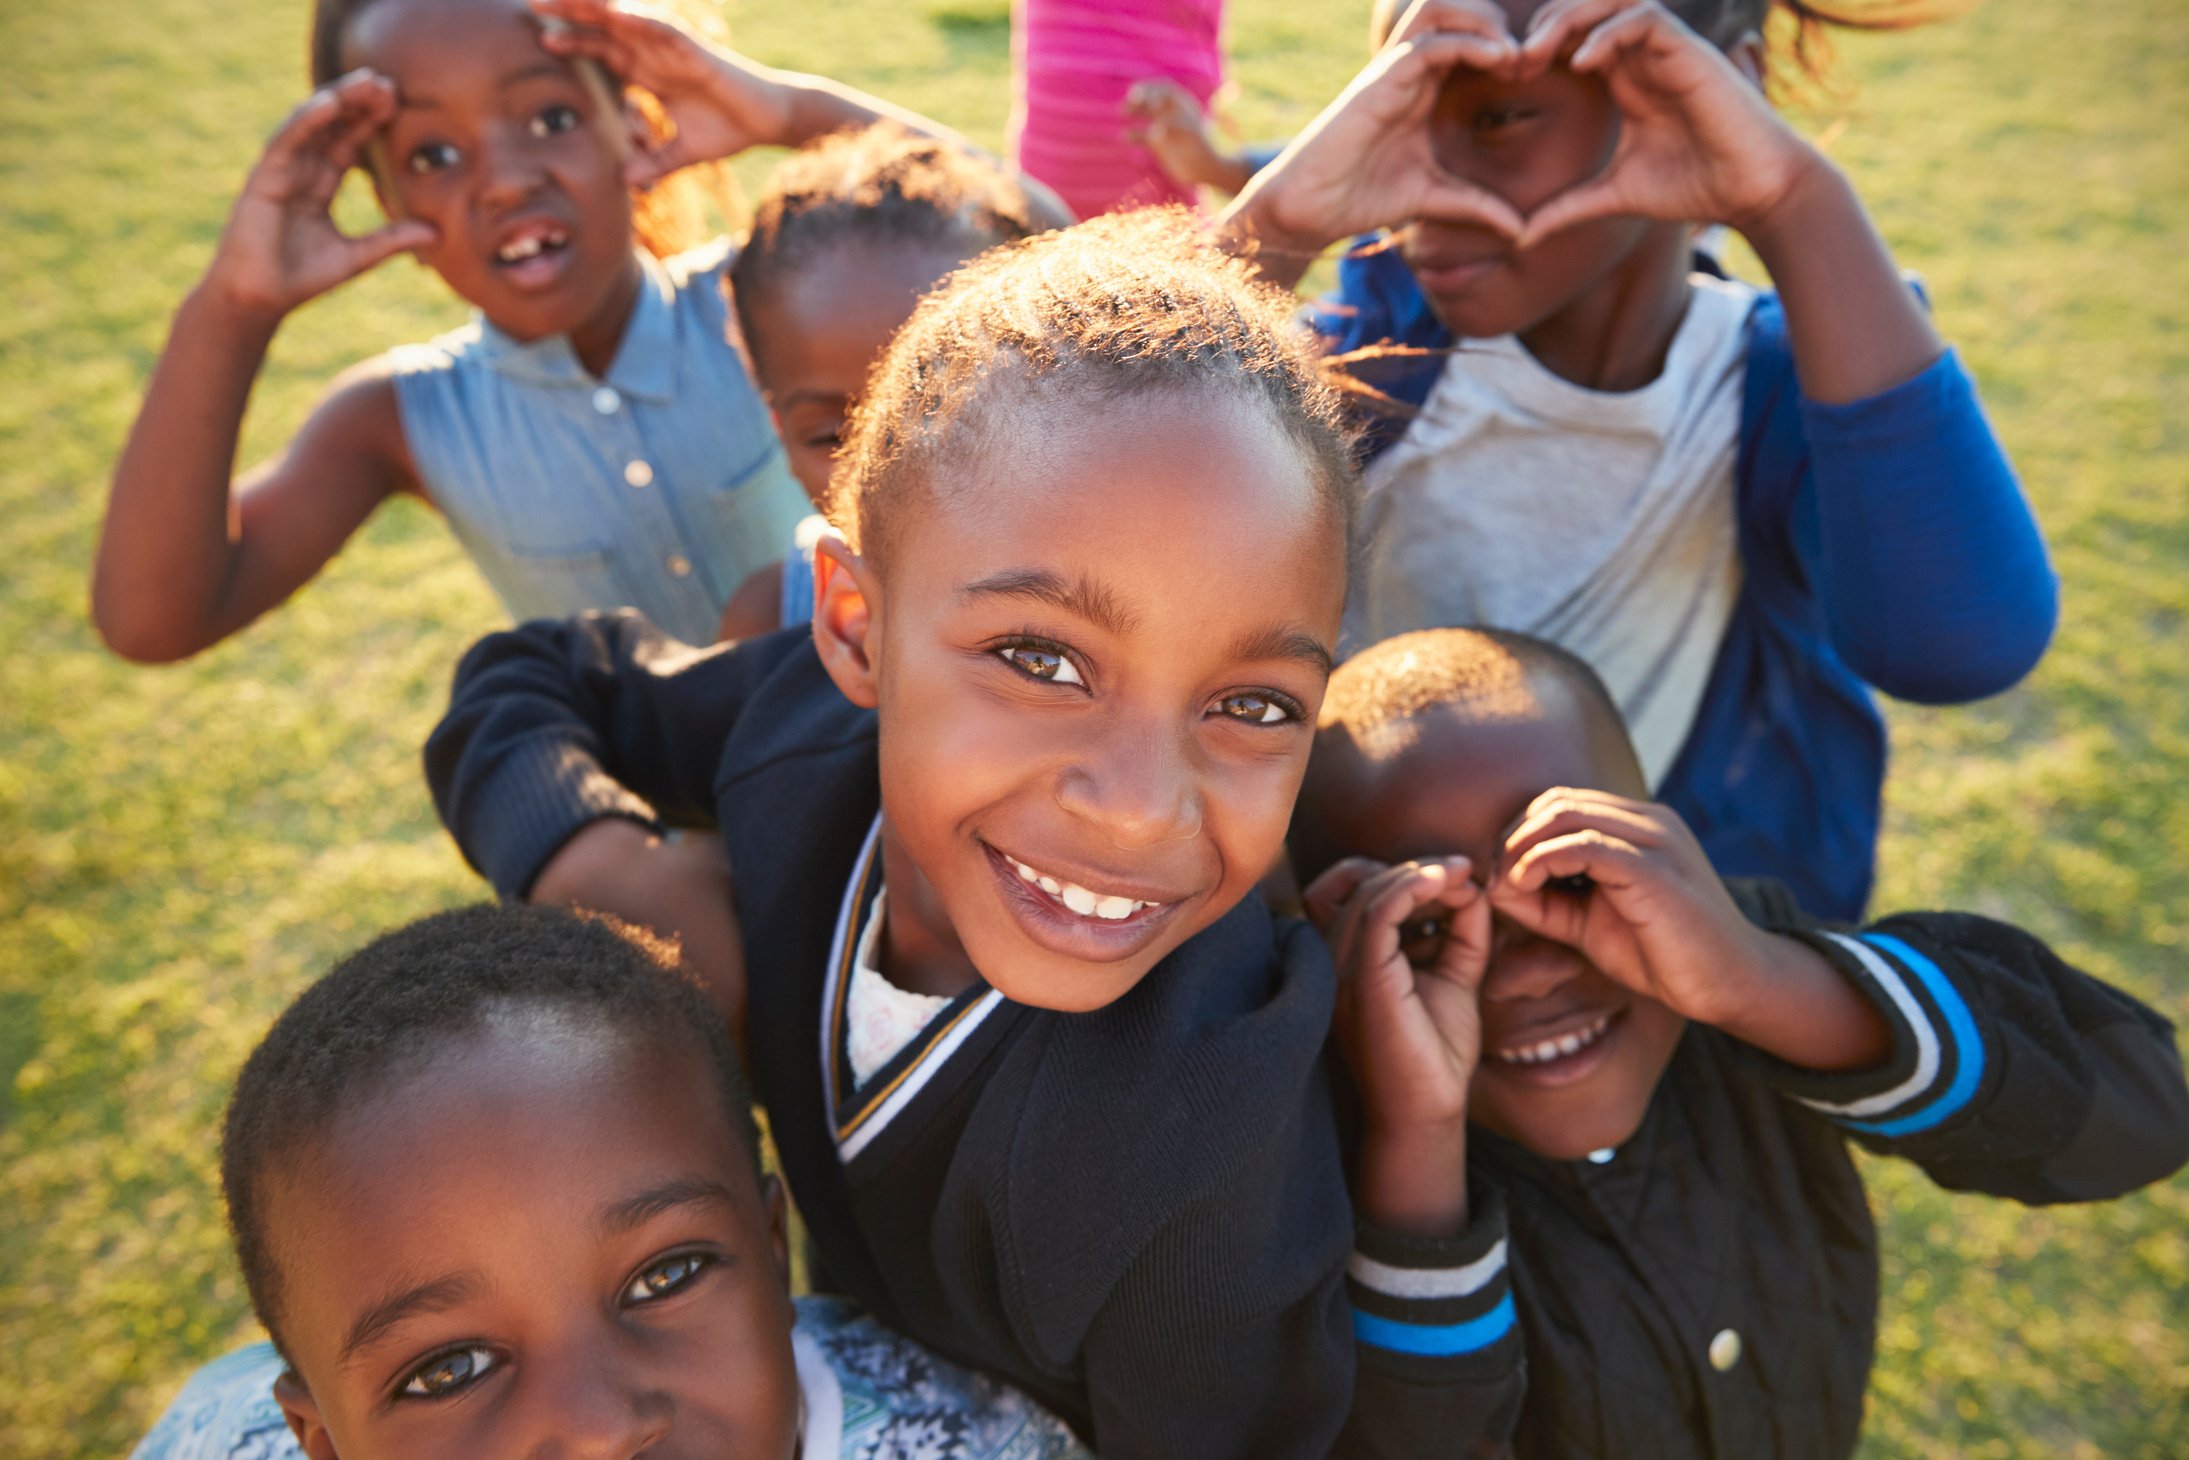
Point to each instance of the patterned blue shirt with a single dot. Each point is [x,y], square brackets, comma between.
[660,486]
[869,1394]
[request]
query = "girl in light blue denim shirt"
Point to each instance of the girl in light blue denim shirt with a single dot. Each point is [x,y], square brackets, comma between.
[592,437]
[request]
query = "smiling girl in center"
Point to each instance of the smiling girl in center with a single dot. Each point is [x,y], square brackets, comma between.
[1046,1080]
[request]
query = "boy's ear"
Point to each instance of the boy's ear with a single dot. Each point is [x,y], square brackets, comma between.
[771,1196]
[302,1412]
[846,593]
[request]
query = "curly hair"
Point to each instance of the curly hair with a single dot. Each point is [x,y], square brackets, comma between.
[392,1003]
[1125,305]
[875,186]
[669,217]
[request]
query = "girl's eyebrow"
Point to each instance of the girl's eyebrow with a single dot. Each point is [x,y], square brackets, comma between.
[1282,641]
[1082,597]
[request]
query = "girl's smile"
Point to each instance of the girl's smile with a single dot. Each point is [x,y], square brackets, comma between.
[1098,660]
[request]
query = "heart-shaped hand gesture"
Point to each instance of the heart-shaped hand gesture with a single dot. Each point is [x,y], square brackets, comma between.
[718,103]
[1367,161]
[1697,142]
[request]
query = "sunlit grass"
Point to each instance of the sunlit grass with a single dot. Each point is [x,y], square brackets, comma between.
[181,850]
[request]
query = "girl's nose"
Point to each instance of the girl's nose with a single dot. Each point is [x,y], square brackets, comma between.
[508,174]
[1137,789]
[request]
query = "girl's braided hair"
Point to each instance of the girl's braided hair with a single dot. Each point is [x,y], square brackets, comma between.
[1126,305]
[880,185]
[669,217]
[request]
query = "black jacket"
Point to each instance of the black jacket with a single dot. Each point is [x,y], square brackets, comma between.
[1710,1288]
[1137,1215]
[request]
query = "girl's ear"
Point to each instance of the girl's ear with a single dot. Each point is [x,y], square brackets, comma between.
[302,1412]
[846,594]
[1750,58]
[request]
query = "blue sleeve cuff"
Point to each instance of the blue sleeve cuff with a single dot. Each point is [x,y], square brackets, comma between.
[1939,1053]
[1435,1299]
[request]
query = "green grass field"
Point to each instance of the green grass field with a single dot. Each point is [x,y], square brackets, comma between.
[181,850]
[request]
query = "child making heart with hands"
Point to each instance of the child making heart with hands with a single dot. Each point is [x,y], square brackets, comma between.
[1744,509]
[1663,1070]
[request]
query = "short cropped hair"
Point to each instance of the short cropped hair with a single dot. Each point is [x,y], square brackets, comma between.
[1488,673]
[1125,305]
[880,186]
[1377,698]
[399,997]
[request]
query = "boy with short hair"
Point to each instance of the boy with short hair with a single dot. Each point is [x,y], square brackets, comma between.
[496,1191]
[1662,1072]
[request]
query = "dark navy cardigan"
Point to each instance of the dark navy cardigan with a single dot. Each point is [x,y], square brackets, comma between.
[1885,544]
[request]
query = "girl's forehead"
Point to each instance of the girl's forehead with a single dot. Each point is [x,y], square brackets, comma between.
[1174,506]
[387,34]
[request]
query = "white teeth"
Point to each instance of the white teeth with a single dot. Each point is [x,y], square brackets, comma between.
[530,245]
[1081,900]
[1551,1049]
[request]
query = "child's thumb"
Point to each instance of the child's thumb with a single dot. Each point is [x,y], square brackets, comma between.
[402,236]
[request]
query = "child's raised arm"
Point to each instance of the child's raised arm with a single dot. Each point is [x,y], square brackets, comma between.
[1960,1043]
[719,102]
[180,565]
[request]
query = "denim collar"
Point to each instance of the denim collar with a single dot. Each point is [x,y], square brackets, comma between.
[645,361]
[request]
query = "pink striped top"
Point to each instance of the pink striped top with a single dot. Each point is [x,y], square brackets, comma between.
[1073,62]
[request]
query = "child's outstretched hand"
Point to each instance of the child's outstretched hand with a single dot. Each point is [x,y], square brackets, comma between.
[1165,118]
[1697,142]
[1412,1036]
[718,102]
[281,246]
[1367,162]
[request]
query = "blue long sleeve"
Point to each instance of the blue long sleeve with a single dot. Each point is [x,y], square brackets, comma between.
[1935,582]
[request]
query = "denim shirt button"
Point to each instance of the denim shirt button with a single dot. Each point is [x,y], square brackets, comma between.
[680,565]
[606,401]
[639,474]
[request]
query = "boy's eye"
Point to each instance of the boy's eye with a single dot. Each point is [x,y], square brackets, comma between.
[829,439]
[1035,662]
[445,1374]
[1258,709]
[1490,118]
[1421,940]
[431,157]
[665,1277]
[554,119]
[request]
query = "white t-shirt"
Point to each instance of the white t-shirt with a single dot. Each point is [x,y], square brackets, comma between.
[1603,522]
[879,1017]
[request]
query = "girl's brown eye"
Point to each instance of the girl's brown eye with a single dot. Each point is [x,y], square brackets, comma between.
[1255,709]
[1035,662]
[432,157]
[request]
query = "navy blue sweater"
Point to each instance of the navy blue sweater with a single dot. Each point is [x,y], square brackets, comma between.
[1885,544]
[1137,1215]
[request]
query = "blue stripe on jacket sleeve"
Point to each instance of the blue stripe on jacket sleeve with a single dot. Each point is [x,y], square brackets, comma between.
[1436,1339]
[1960,1028]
